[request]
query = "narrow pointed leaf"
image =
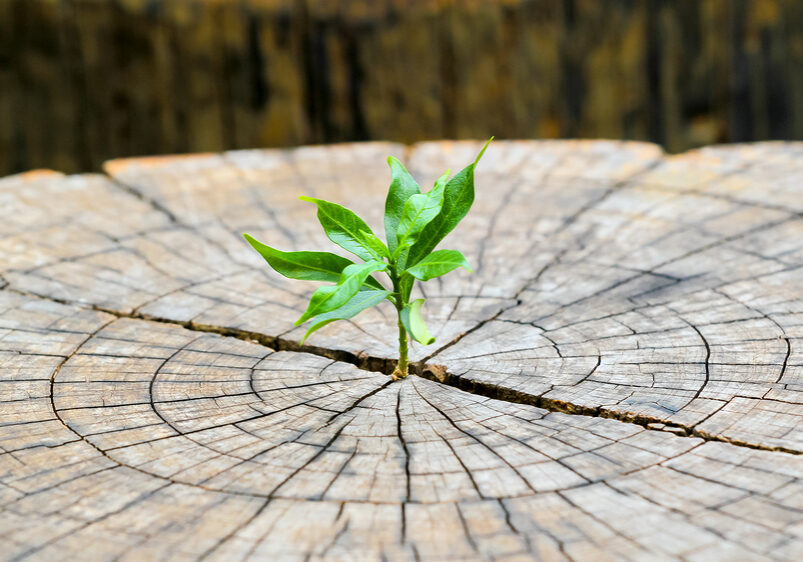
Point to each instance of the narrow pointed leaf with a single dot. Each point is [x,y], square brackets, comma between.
[346,229]
[307,266]
[329,298]
[439,262]
[457,200]
[441,182]
[359,302]
[414,324]
[402,187]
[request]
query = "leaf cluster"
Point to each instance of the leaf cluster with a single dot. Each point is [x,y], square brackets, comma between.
[415,223]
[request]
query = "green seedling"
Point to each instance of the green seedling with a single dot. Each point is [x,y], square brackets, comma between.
[415,223]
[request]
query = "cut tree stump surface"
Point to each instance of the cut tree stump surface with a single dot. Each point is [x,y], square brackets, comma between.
[621,378]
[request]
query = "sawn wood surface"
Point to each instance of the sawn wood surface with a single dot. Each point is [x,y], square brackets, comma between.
[620,379]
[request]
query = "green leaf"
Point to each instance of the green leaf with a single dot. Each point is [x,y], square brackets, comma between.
[440,183]
[357,303]
[347,230]
[413,323]
[331,297]
[307,266]
[375,244]
[418,211]
[439,262]
[402,187]
[406,286]
[457,200]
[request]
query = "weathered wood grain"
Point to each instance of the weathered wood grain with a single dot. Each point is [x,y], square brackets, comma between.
[619,379]
[258,190]
[684,304]
[151,440]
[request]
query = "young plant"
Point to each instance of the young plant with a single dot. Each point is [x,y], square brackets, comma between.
[415,223]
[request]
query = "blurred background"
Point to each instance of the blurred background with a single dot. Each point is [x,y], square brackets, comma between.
[83,81]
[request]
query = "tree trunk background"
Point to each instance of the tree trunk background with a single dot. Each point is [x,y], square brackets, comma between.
[88,80]
[621,378]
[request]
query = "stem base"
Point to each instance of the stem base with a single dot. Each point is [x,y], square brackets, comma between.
[402,367]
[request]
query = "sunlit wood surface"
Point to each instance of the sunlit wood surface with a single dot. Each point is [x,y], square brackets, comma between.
[620,379]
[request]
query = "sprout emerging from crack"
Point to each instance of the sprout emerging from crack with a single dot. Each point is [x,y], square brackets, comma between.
[415,223]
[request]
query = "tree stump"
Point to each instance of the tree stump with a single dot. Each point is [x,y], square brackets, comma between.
[621,378]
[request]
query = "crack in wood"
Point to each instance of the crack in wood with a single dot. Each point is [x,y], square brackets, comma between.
[344,449]
[438,373]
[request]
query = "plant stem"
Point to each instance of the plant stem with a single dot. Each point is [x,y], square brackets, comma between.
[402,367]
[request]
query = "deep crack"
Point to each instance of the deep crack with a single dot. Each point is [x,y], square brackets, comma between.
[437,373]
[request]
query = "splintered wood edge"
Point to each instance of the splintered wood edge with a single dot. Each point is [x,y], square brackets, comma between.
[120,165]
[37,174]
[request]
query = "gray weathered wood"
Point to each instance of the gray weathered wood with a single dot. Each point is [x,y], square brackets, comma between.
[620,378]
